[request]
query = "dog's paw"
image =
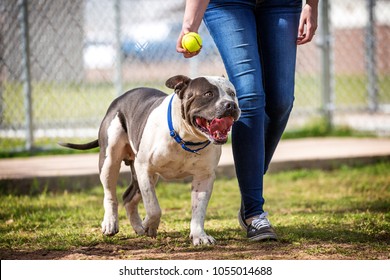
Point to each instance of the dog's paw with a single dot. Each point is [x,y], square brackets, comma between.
[110,226]
[202,239]
[139,230]
[151,231]
[151,226]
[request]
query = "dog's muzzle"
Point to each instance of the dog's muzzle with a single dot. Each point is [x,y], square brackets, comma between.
[219,127]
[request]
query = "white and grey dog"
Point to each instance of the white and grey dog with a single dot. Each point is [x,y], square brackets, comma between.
[168,136]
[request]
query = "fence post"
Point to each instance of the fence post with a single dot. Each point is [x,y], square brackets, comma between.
[118,48]
[26,71]
[324,42]
[372,85]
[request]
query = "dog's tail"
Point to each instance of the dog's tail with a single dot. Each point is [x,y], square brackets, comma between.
[86,146]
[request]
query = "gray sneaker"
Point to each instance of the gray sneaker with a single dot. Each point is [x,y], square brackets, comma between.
[260,228]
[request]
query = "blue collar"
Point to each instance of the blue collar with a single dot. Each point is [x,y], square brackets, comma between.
[176,136]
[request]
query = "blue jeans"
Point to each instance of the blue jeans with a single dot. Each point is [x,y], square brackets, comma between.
[257,44]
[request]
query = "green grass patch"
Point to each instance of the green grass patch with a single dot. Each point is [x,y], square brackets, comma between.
[318,127]
[350,91]
[75,102]
[59,102]
[340,214]
[54,102]
[42,147]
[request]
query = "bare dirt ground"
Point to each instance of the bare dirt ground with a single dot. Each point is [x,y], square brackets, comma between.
[243,251]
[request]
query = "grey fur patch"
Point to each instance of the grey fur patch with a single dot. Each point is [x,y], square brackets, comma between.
[133,109]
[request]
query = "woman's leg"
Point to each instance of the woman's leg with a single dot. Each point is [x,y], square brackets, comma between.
[277,23]
[233,27]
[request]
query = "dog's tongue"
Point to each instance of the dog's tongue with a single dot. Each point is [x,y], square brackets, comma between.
[218,129]
[222,125]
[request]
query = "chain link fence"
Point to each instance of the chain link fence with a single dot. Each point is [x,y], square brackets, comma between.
[63,61]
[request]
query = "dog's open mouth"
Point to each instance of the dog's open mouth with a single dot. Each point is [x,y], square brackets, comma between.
[217,129]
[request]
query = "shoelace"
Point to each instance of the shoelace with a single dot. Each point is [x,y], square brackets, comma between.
[261,221]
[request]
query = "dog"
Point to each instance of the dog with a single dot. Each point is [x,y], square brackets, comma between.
[172,136]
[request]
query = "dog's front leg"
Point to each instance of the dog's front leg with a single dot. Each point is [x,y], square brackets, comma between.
[147,182]
[200,196]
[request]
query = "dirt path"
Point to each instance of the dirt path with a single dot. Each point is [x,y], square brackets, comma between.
[269,250]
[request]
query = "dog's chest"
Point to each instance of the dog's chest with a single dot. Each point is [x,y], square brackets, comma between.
[175,163]
[163,156]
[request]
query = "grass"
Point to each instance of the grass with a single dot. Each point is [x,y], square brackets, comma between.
[340,214]
[318,127]
[350,91]
[66,102]
[42,147]
[59,102]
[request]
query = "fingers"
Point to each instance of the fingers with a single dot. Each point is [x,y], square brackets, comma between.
[307,25]
[190,54]
[180,49]
[306,37]
[301,32]
[301,28]
[185,53]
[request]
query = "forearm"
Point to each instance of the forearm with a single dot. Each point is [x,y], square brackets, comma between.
[193,15]
[313,3]
[308,22]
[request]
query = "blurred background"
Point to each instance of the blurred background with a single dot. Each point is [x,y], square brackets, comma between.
[62,62]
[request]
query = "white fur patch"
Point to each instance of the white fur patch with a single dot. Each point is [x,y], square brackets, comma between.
[109,175]
[225,87]
[221,83]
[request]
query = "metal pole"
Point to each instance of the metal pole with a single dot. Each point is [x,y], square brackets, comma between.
[194,65]
[324,42]
[26,73]
[118,49]
[372,86]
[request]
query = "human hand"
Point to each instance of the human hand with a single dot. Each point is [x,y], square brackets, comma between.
[180,49]
[308,22]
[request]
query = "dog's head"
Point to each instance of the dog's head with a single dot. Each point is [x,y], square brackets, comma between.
[208,104]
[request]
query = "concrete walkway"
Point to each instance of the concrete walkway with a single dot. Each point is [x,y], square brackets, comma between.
[72,172]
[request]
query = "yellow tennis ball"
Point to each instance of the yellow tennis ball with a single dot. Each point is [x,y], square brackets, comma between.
[191,42]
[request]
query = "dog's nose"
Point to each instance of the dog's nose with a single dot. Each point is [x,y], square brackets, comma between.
[230,105]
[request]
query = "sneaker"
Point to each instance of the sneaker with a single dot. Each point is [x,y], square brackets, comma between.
[261,229]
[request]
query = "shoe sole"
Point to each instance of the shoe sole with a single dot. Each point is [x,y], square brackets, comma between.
[264,237]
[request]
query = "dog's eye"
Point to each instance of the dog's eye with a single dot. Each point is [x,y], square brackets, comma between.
[231,93]
[208,94]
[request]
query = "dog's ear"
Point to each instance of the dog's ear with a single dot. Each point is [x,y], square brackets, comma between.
[179,83]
